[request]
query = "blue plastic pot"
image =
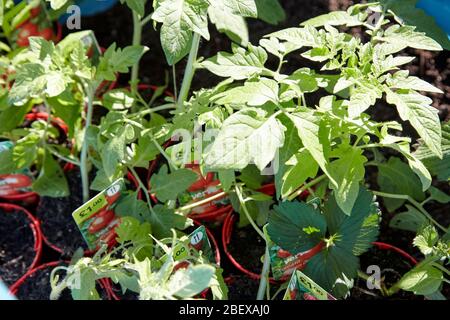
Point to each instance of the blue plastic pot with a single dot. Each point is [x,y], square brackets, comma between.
[91,7]
[4,293]
[440,10]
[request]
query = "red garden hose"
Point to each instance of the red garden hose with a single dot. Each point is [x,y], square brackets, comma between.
[35,228]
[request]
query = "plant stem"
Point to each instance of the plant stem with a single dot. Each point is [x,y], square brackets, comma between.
[189,72]
[143,188]
[172,165]
[84,149]
[250,219]
[174,75]
[146,20]
[414,202]
[264,275]
[305,187]
[63,158]
[137,37]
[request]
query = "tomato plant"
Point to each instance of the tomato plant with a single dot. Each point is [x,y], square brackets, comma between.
[287,140]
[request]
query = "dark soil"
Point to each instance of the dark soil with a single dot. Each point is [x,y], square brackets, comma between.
[56,219]
[16,246]
[37,287]
[392,267]
[247,248]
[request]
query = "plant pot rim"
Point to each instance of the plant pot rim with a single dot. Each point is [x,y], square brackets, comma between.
[389,247]
[37,235]
[227,230]
[29,197]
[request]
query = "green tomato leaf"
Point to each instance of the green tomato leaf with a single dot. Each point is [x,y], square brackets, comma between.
[411,220]
[232,25]
[408,37]
[169,186]
[400,80]
[247,136]
[308,125]
[305,167]
[396,177]
[422,280]
[252,93]
[113,152]
[408,13]
[240,64]
[438,167]
[439,196]
[51,181]
[348,171]
[179,19]
[163,219]
[416,109]
[186,283]
[335,18]
[131,206]
[270,11]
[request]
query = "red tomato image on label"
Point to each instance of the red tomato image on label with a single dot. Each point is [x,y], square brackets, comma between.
[307,296]
[101,221]
[109,238]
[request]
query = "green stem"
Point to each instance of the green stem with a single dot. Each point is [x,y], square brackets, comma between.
[172,165]
[143,188]
[137,37]
[264,275]
[153,110]
[441,267]
[146,20]
[189,72]
[247,214]
[306,187]
[413,202]
[84,149]
[63,158]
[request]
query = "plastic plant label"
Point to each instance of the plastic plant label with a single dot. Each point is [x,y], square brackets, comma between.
[16,183]
[302,287]
[6,146]
[197,240]
[96,218]
[205,187]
